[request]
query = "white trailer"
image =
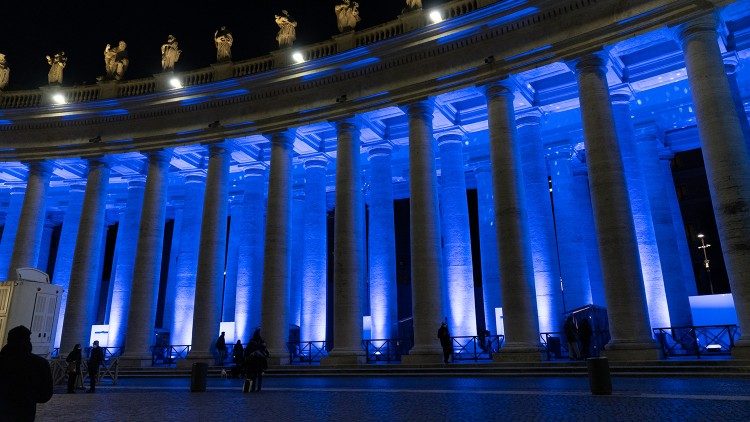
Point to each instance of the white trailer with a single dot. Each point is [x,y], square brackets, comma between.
[33,302]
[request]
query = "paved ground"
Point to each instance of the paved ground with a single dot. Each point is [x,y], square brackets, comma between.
[409,399]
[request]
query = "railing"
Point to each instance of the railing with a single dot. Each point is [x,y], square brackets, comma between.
[319,50]
[385,350]
[707,340]
[198,77]
[460,8]
[81,95]
[168,355]
[20,99]
[306,352]
[110,368]
[556,346]
[253,66]
[136,87]
[379,33]
[476,348]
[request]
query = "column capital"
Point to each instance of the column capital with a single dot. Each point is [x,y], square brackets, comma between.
[351,122]
[195,176]
[450,139]
[731,64]
[17,188]
[499,88]
[648,133]
[595,62]
[621,94]
[284,137]
[529,116]
[423,108]
[136,182]
[78,185]
[255,169]
[317,161]
[380,150]
[101,161]
[700,26]
[163,156]
[218,148]
[43,168]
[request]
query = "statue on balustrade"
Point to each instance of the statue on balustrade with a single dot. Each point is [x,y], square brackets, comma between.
[116,61]
[287,29]
[169,54]
[413,5]
[223,39]
[4,72]
[347,15]
[56,65]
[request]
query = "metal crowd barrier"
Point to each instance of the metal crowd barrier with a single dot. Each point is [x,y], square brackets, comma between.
[706,340]
[556,347]
[476,348]
[168,355]
[306,352]
[385,350]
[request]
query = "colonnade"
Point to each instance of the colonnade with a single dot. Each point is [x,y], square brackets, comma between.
[612,239]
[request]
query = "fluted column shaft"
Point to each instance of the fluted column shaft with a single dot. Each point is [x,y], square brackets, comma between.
[542,227]
[209,281]
[488,250]
[570,232]
[276,257]
[382,245]
[458,287]
[664,231]
[181,307]
[66,248]
[230,273]
[582,196]
[125,247]
[297,247]
[516,268]
[250,254]
[314,253]
[31,223]
[348,250]
[621,269]
[84,275]
[726,159]
[10,228]
[141,315]
[426,253]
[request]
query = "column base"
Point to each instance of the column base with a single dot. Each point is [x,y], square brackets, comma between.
[343,357]
[518,353]
[194,357]
[135,361]
[278,357]
[741,350]
[423,355]
[632,351]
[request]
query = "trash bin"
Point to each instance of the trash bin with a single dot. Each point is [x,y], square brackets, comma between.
[599,378]
[198,376]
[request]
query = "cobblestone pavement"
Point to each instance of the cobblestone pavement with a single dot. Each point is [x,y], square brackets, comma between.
[409,399]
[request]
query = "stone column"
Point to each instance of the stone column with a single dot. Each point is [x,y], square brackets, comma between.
[10,228]
[458,286]
[31,222]
[276,257]
[45,243]
[731,66]
[348,250]
[125,247]
[582,196]
[84,275]
[686,261]
[296,249]
[542,226]
[382,245]
[250,253]
[570,230]
[230,273]
[314,253]
[653,277]
[210,277]
[618,247]
[426,253]
[488,249]
[516,268]
[181,305]
[661,214]
[141,316]
[727,161]
[66,247]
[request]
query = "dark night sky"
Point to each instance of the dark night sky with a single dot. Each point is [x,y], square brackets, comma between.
[31,30]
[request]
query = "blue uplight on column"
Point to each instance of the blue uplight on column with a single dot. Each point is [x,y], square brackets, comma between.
[250,253]
[540,222]
[182,304]
[125,246]
[66,247]
[458,283]
[488,250]
[12,216]
[314,255]
[653,279]
[382,245]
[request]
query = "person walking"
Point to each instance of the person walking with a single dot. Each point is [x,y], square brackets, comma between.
[445,341]
[25,378]
[238,358]
[256,361]
[74,367]
[221,348]
[96,359]
[571,337]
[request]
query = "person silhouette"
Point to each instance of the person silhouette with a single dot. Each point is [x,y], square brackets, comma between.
[445,341]
[25,378]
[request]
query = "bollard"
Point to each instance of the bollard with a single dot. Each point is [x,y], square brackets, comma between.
[198,376]
[599,378]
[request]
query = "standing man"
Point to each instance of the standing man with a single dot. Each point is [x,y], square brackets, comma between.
[25,378]
[221,348]
[445,341]
[96,358]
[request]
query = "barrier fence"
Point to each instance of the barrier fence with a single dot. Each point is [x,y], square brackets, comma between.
[706,340]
